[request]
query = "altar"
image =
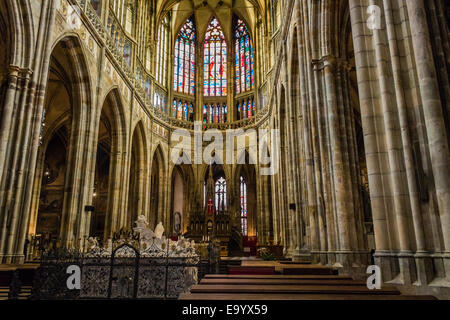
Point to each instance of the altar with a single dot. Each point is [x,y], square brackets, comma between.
[211,222]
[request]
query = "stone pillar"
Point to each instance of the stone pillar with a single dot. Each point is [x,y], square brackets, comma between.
[432,109]
[340,174]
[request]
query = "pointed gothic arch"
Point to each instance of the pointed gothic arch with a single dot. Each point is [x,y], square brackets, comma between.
[67,104]
[109,183]
[137,186]
[184,69]
[158,188]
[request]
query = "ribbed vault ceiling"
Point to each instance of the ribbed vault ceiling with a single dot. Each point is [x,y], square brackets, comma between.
[204,10]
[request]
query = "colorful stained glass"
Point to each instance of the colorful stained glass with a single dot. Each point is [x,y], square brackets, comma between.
[245,79]
[180,110]
[184,62]
[161,54]
[183,110]
[205,113]
[174,108]
[215,113]
[246,109]
[215,61]
[221,195]
[191,112]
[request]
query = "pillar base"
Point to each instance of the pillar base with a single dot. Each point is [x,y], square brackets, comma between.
[407,274]
[416,274]
[331,258]
[302,256]
[446,260]
[424,266]
[12,259]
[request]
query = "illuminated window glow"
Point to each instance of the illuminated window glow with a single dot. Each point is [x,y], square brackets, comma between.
[183,110]
[161,54]
[245,79]
[221,195]
[246,109]
[215,61]
[184,65]
[215,113]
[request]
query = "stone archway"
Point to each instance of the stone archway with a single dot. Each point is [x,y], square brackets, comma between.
[157,188]
[137,200]
[178,204]
[109,183]
[247,198]
[183,196]
[55,186]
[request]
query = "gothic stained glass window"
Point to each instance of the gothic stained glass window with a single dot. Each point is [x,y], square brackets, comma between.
[243,198]
[215,61]
[191,112]
[180,110]
[161,54]
[205,113]
[174,108]
[184,62]
[215,113]
[246,109]
[245,78]
[183,110]
[221,195]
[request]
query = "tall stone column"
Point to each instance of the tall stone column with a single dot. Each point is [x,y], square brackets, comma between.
[433,113]
[423,262]
[375,146]
[341,174]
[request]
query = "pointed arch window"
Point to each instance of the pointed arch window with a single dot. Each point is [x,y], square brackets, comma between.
[221,195]
[161,55]
[246,109]
[215,113]
[184,62]
[243,199]
[245,78]
[183,110]
[215,61]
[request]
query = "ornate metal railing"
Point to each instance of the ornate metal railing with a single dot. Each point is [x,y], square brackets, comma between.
[126,274]
[133,264]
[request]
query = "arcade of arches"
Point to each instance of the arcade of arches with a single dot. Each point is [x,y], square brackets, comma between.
[91,92]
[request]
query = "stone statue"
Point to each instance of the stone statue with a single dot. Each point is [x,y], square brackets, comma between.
[159,231]
[147,236]
[92,244]
[141,223]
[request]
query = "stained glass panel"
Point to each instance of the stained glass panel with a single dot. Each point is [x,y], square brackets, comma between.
[161,55]
[184,68]
[245,79]
[221,195]
[246,109]
[215,61]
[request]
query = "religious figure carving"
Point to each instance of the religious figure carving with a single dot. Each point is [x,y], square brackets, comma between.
[159,231]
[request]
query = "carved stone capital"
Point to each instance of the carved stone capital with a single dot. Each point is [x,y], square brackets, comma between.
[330,61]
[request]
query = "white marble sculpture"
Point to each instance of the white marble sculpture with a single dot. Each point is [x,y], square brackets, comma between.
[152,244]
[159,231]
[158,256]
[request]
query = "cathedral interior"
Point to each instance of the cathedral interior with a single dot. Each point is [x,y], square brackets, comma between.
[92,93]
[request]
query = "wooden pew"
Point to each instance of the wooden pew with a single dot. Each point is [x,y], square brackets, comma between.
[292,289]
[276,276]
[321,282]
[240,270]
[291,297]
